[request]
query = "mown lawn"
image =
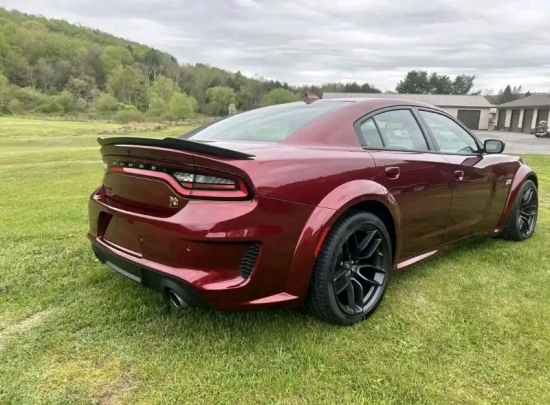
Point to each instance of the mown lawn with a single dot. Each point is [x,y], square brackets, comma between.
[469,327]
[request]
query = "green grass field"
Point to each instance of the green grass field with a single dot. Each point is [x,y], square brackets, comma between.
[469,327]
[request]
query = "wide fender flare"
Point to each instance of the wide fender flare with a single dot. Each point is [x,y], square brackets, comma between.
[323,218]
[522,174]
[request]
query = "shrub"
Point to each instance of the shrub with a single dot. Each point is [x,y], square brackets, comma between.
[106,103]
[126,107]
[128,116]
[66,100]
[49,107]
[80,105]
[16,107]
[157,107]
[29,97]
[182,106]
[169,117]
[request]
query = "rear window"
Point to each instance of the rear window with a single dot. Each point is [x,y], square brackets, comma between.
[274,123]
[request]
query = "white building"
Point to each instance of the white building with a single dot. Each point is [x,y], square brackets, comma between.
[523,115]
[474,111]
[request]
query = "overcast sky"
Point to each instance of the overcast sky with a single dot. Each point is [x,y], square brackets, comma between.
[314,41]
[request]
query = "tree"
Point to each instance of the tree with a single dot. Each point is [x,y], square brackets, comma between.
[129,85]
[82,87]
[418,82]
[279,96]
[157,106]
[15,69]
[152,64]
[415,82]
[30,76]
[106,103]
[352,88]
[245,98]
[463,84]
[258,89]
[45,75]
[91,65]
[508,94]
[365,88]
[63,72]
[219,98]
[115,57]
[440,84]
[182,106]
[4,84]
[164,88]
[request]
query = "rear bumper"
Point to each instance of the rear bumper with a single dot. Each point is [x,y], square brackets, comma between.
[149,278]
[198,251]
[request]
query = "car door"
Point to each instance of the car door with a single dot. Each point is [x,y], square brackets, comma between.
[478,196]
[416,176]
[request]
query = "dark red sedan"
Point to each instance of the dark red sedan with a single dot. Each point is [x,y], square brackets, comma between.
[309,203]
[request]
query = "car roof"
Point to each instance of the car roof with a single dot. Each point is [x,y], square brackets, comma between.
[379,102]
[335,128]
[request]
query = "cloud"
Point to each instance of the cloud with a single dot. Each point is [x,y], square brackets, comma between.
[312,41]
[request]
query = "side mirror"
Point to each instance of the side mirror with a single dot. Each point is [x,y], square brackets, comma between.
[493,146]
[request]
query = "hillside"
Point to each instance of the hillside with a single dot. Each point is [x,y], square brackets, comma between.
[52,66]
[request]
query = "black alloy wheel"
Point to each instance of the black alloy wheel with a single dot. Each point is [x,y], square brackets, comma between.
[358,272]
[523,218]
[352,270]
[527,214]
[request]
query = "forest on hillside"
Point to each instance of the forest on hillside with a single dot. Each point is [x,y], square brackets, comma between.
[50,66]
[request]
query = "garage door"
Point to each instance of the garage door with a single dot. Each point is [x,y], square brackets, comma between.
[501,119]
[542,115]
[470,118]
[527,120]
[515,121]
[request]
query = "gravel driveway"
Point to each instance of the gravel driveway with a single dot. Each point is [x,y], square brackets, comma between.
[517,142]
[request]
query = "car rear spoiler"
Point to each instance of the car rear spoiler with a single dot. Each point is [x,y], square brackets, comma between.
[175,143]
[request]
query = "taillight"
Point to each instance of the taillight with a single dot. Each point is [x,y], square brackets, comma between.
[204,181]
[208,183]
[190,181]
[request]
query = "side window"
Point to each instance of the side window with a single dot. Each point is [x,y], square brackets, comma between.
[450,136]
[400,130]
[371,136]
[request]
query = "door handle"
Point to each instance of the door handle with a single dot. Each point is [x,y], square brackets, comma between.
[459,174]
[392,172]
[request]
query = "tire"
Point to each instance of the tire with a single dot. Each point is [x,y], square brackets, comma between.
[523,218]
[338,264]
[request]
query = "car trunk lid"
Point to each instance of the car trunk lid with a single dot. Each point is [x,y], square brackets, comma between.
[158,177]
[161,174]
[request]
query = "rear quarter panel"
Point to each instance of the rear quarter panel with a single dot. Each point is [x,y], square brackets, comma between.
[307,176]
[330,182]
